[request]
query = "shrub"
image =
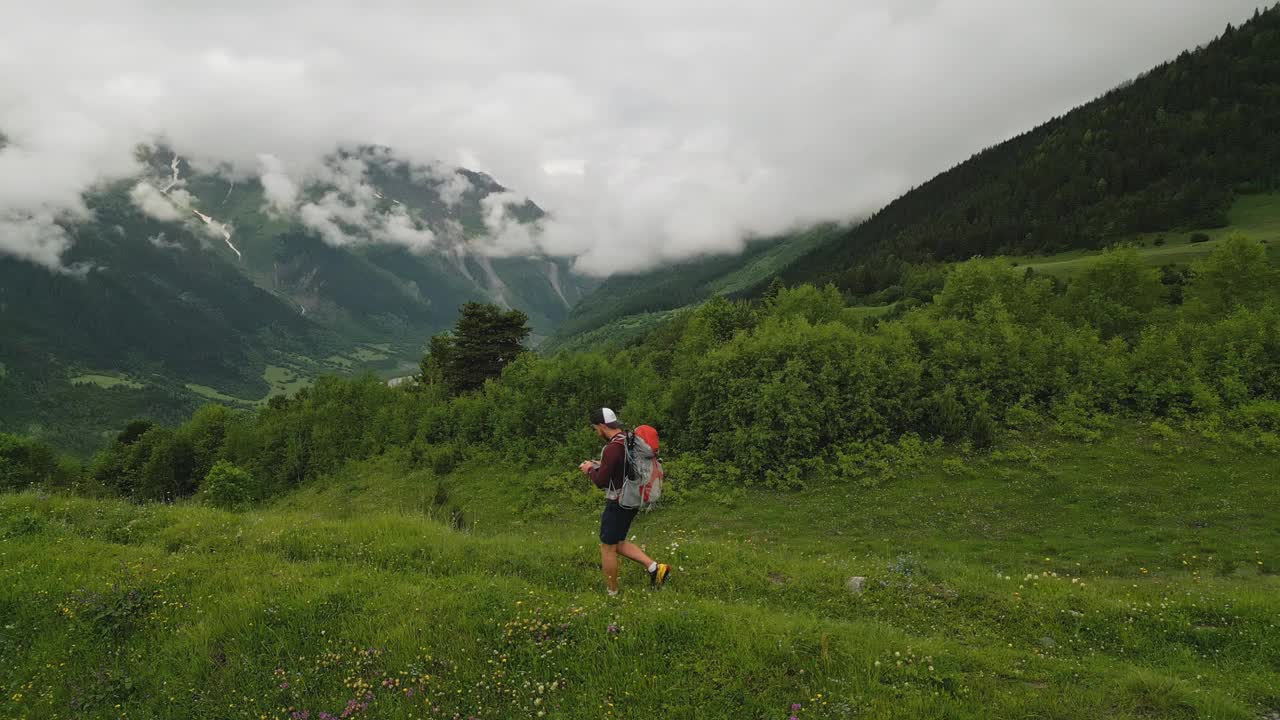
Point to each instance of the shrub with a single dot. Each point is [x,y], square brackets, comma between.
[1076,419]
[26,463]
[872,463]
[227,486]
[1258,415]
[1199,237]
[442,459]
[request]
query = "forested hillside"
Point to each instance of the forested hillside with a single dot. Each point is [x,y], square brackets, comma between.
[1172,150]
[688,283]
[1169,150]
[187,285]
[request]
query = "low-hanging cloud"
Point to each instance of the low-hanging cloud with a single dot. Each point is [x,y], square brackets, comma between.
[148,198]
[349,210]
[668,129]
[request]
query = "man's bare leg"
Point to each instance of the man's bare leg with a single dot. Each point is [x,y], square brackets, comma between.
[633,552]
[609,565]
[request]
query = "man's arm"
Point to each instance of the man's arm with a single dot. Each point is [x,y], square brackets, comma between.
[611,458]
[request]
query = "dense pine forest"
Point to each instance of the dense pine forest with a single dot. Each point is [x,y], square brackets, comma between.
[1167,151]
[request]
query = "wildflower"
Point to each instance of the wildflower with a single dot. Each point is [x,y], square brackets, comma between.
[795,707]
[612,629]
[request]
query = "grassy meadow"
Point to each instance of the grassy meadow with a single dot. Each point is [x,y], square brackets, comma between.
[1257,216]
[1135,577]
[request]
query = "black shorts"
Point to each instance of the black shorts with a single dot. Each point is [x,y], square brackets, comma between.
[615,521]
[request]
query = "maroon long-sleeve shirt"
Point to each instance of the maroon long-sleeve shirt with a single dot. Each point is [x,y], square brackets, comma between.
[608,474]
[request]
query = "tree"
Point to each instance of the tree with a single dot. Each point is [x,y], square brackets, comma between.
[24,463]
[1235,273]
[1116,293]
[226,486]
[485,339]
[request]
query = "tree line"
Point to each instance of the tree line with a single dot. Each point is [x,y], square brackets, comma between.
[793,388]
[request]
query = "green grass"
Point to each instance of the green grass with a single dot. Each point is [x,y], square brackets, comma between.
[284,381]
[367,354]
[212,394]
[106,381]
[339,361]
[1257,216]
[616,334]
[1135,578]
[862,312]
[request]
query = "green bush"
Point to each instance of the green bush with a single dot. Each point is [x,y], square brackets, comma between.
[227,486]
[1257,415]
[28,463]
[442,459]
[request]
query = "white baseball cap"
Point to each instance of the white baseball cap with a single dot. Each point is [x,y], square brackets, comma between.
[604,416]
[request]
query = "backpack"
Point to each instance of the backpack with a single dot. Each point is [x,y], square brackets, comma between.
[642,472]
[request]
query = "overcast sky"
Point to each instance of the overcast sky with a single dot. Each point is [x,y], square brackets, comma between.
[658,129]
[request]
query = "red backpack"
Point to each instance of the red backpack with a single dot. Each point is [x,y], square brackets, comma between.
[642,481]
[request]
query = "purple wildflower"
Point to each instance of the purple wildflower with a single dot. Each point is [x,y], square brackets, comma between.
[795,707]
[612,628]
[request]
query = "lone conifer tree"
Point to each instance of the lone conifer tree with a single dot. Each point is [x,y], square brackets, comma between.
[483,341]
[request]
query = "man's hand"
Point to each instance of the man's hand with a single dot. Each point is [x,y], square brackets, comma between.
[585,466]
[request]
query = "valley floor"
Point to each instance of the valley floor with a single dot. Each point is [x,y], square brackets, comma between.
[1132,578]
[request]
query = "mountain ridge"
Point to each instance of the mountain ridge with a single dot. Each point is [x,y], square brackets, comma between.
[186,285]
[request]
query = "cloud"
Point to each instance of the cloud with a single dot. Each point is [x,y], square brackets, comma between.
[279,189]
[452,185]
[506,236]
[353,212]
[35,238]
[669,128]
[147,198]
[160,242]
[399,229]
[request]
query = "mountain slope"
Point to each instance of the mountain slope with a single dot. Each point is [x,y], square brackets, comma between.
[1167,151]
[1172,150]
[190,284]
[646,296]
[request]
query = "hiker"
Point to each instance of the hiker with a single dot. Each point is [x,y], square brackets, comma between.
[615,521]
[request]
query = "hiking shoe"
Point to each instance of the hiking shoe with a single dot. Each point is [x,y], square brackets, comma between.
[659,576]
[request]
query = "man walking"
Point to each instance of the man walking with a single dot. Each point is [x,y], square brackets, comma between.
[615,521]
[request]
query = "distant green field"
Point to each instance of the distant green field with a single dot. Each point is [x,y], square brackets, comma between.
[368,353]
[868,311]
[284,381]
[105,381]
[339,361]
[213,394]
[1257,216]
[615,334]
